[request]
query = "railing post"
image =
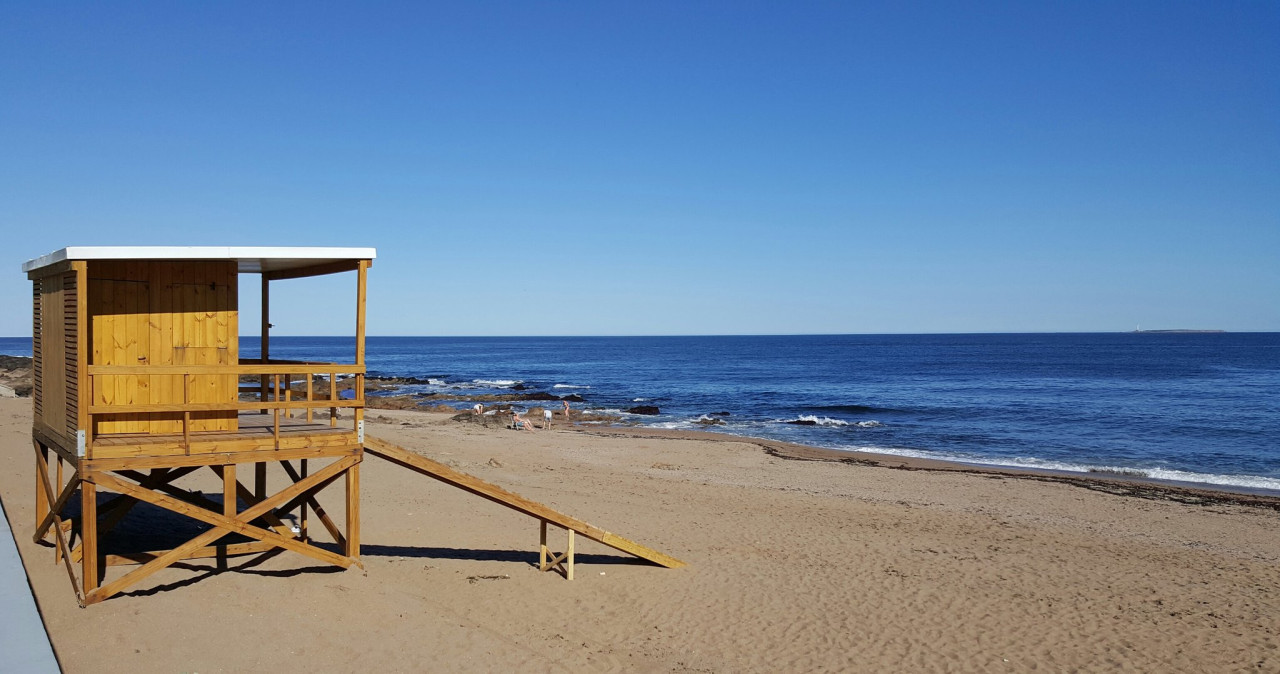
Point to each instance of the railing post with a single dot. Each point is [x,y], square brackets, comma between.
[266,334]
[333,397]
[302,514]
[186,414]
[275,411]
[88,416]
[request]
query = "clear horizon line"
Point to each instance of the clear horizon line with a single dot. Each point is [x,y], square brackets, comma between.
[777,334]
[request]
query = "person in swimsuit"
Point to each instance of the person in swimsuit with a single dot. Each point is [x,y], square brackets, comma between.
[519,423]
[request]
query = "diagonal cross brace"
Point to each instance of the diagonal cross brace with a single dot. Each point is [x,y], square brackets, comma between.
[58,504]
[222,524]
[324,517]
[60,533]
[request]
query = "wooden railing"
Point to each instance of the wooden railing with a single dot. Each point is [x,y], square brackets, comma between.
[275,389]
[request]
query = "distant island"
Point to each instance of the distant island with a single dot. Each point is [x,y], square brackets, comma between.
[1180,332]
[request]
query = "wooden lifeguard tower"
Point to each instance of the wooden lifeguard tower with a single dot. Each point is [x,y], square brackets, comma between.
[138,383]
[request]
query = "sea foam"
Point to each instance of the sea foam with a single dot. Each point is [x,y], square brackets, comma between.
[814,420]
[496,383]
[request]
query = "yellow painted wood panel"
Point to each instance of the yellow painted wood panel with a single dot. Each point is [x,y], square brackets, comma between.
[163,313]
[164,388]
[119,309]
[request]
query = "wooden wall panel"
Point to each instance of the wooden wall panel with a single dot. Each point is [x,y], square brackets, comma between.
[164,313]
[53,375]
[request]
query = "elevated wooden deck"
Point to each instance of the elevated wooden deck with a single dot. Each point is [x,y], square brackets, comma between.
[292,439]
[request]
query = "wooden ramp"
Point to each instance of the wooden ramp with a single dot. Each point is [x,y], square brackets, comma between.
[439,471]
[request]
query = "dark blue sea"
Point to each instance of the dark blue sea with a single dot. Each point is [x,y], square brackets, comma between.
[1186,407]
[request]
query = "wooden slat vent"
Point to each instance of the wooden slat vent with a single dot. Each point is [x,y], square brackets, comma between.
[37,362]
[70,341]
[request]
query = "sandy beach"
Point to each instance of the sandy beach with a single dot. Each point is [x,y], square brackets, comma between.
[796,562]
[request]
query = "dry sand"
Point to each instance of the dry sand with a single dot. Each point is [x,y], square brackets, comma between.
[794,565]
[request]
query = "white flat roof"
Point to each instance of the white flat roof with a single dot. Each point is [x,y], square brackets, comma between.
[250,259]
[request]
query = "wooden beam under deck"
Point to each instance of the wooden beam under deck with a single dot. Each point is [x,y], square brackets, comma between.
[143,462]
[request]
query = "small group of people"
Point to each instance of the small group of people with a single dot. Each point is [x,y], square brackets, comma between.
[521,424]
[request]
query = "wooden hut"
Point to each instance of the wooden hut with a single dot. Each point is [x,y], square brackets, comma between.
[138,382]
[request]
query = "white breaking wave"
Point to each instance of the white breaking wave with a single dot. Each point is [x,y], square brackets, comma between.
[817,421]
[569,386]
[814,420]
[496,383]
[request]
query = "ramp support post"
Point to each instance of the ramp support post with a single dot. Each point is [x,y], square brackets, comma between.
[562,562]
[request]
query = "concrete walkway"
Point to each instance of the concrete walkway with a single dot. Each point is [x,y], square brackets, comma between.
[24,644]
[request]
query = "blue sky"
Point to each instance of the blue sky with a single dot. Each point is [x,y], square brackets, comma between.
[534,168]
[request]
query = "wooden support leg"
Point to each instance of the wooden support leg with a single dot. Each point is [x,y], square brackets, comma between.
[229,490]
[260,480]
[58,485]
[353,512]
[89,535]
[302,512]
[542,548]
[562,562]
[569,569]
[228,506]
[42,501]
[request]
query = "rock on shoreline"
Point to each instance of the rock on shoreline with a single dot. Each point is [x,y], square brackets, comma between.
[15,376]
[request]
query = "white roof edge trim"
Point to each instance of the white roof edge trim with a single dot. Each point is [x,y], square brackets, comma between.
[250,258]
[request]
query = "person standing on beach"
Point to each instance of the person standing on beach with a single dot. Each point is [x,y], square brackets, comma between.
[566,409]
[546,419]
[478,409]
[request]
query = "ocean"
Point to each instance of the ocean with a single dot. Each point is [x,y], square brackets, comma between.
[1188,407]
